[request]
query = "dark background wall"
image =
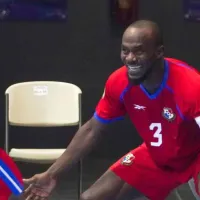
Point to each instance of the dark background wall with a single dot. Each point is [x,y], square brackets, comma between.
[84,51]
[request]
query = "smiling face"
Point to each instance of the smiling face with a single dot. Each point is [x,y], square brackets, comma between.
[139,52]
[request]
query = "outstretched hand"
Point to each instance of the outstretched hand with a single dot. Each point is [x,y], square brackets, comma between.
[39,187]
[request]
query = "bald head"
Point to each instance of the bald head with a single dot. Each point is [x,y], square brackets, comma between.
[141,49]
[148,28]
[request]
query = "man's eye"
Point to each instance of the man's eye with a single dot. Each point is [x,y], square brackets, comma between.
[125,50]
[139,52]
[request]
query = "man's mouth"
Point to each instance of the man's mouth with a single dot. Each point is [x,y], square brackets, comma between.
[134,68]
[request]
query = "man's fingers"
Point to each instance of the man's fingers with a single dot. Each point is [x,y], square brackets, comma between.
[37,198]
[36,194]
[30,197]
[39,192]
[39,195]
[27,190]
[44,198]
[29,180]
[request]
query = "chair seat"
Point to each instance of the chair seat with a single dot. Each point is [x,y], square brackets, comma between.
[36,155]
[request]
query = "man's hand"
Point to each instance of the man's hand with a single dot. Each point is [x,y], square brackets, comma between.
[40,187]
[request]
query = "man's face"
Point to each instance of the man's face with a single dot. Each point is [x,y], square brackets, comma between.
[138,53]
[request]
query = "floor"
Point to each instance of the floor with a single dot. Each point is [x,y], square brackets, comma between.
[92,169]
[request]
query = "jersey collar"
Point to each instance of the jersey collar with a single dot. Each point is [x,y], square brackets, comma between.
[162,85]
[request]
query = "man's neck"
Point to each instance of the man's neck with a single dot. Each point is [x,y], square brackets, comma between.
[155,77]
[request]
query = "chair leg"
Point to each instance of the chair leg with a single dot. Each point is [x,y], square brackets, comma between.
[80,182]
[6,145]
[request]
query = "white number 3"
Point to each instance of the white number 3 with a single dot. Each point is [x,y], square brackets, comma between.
[157,134]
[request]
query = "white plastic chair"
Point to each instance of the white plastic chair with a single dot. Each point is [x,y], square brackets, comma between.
[192,188]
[42,104]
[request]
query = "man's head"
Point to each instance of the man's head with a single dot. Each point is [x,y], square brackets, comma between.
[142,46]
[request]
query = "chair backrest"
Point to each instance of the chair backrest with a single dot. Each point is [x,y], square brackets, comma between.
[44,103]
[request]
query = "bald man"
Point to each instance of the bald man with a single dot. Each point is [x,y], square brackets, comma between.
[161,97]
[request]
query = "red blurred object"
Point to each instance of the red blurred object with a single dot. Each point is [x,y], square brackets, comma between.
[124,11]
[10,177]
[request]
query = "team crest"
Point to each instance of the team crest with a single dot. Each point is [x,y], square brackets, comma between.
[128,159]
[168,114]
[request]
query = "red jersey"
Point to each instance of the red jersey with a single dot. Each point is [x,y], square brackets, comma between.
[168,120]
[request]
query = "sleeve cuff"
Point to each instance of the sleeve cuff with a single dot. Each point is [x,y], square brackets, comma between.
[107,121]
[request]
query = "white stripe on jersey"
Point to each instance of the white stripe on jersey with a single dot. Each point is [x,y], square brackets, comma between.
[197,119]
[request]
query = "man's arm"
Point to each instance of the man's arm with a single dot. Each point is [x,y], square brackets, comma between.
[83,142]
[110,108]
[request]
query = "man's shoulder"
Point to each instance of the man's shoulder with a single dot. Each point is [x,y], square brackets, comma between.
[117,82]
[118,78]
[181,68]
[184,79]
[119,73]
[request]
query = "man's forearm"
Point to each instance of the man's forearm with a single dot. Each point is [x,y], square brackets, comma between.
[82,143]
